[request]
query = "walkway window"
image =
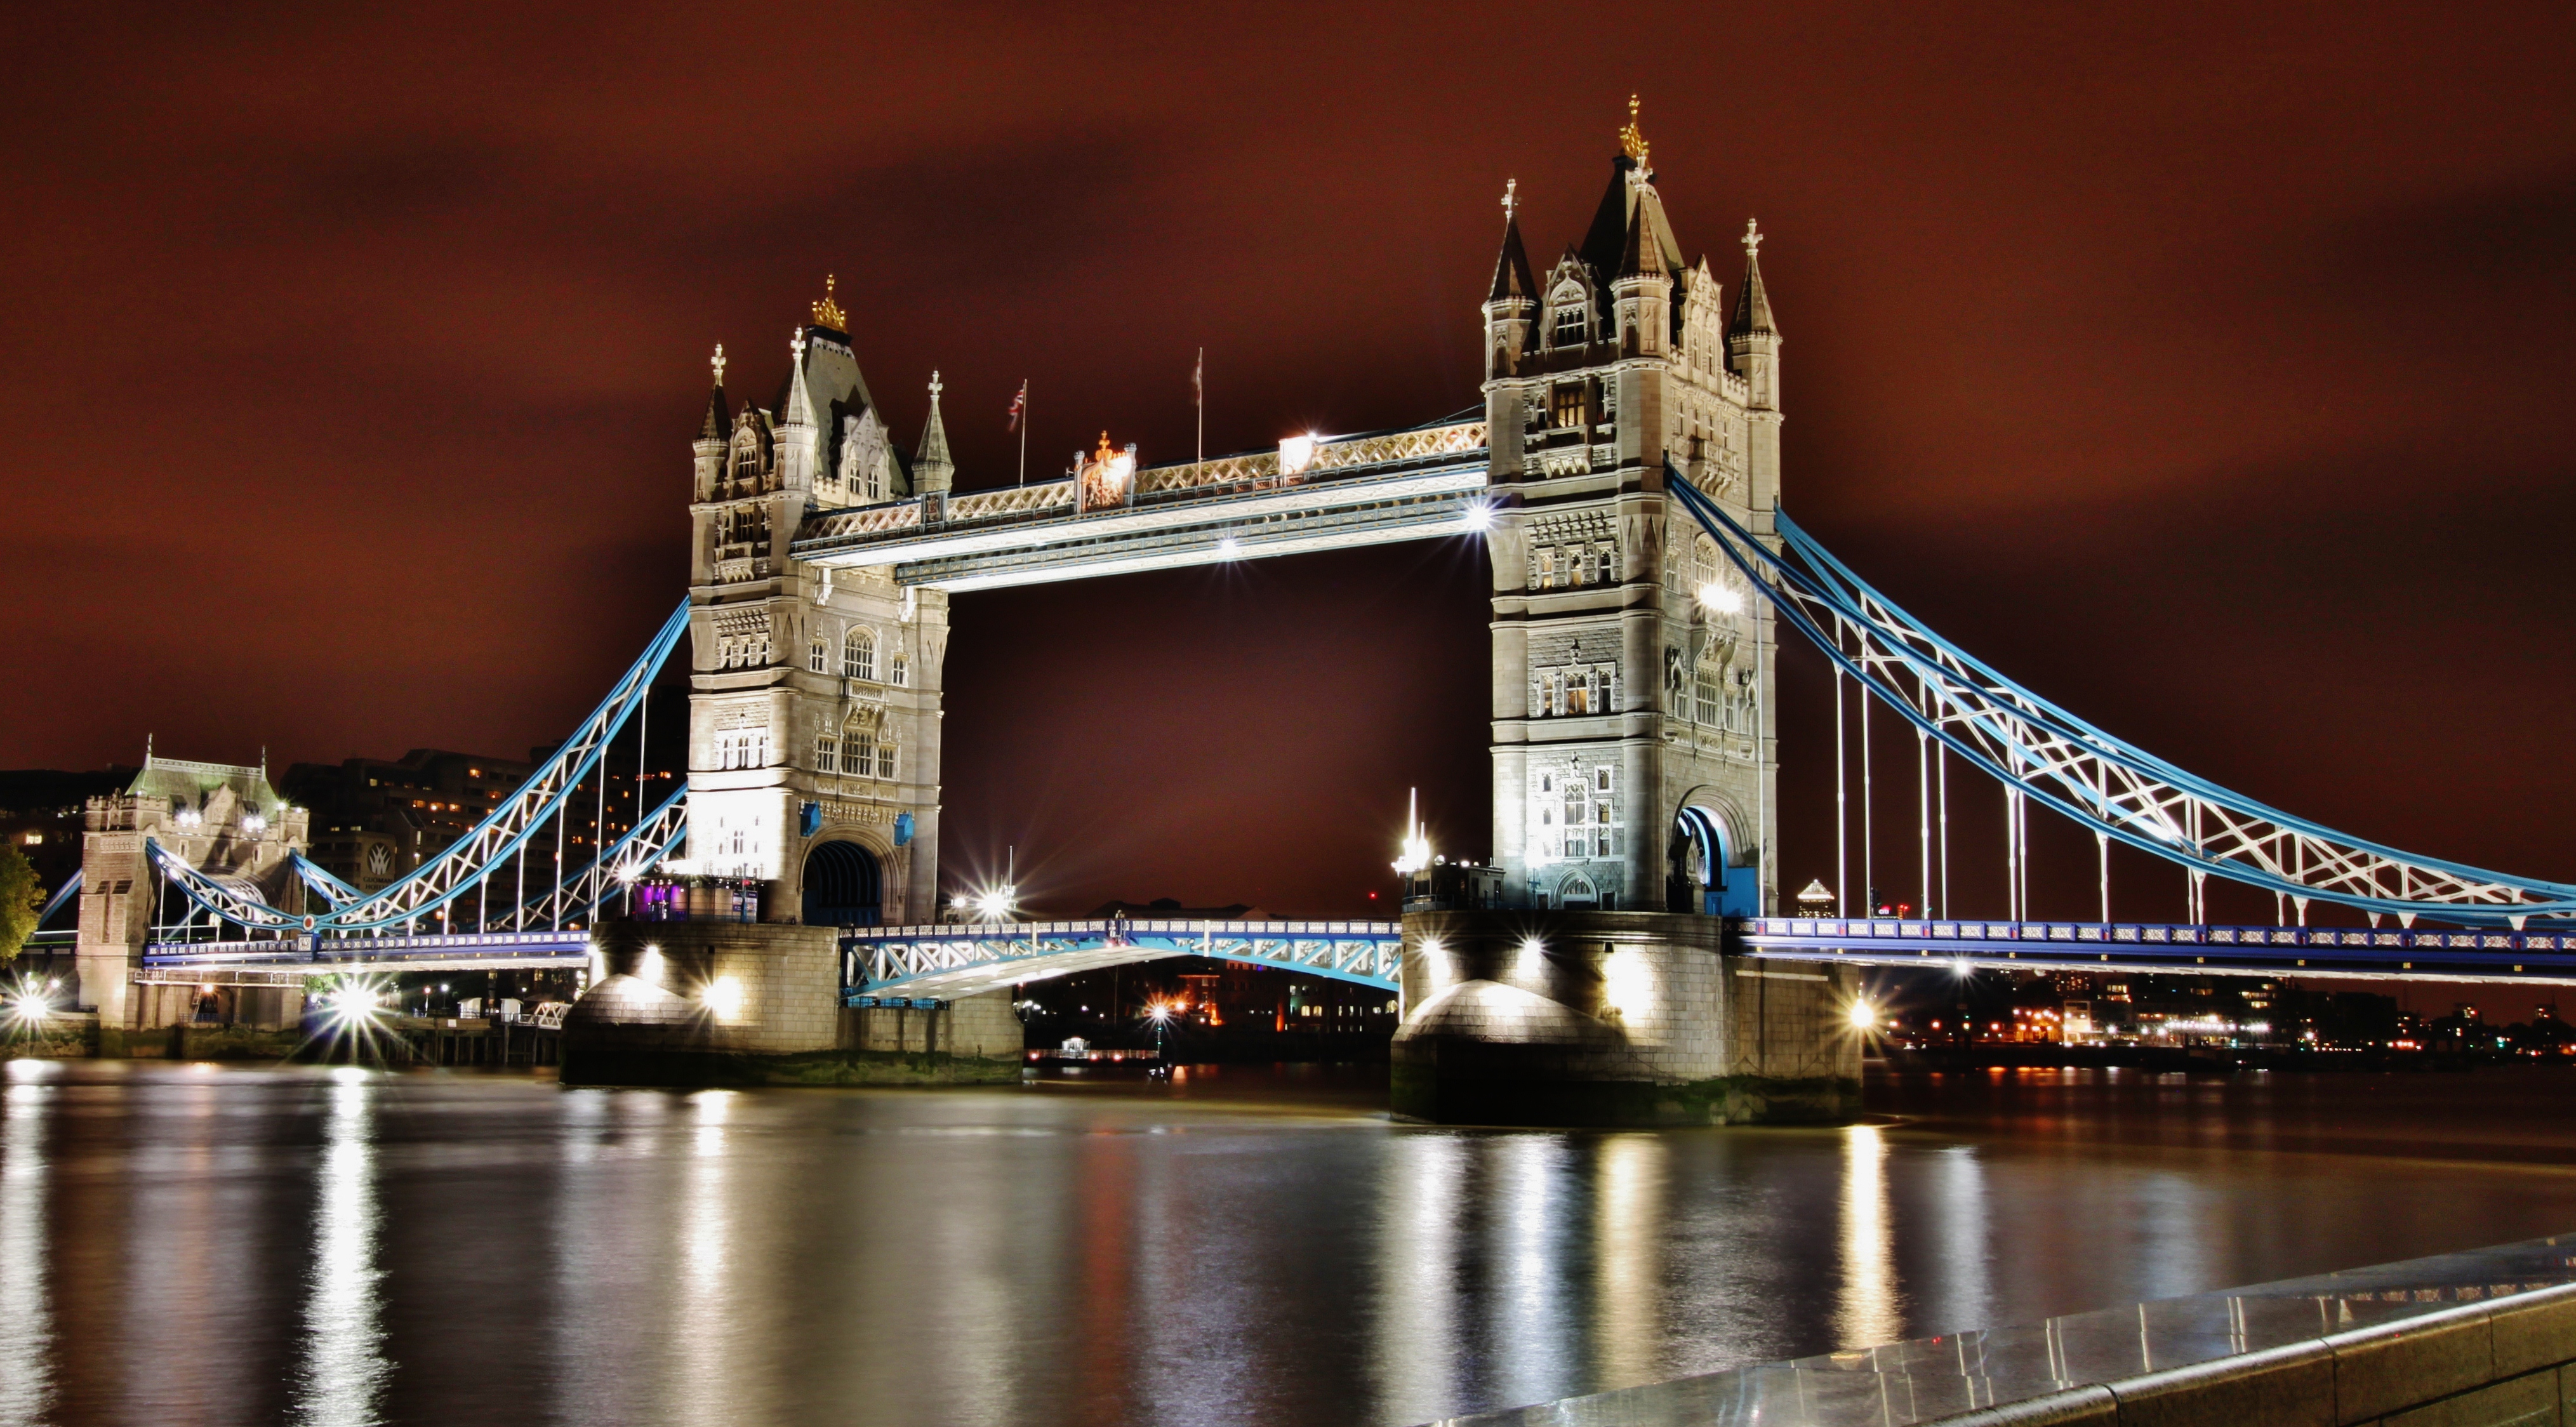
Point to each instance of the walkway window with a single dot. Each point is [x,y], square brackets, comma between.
[859,655]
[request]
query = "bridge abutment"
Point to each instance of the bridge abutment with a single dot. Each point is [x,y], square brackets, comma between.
[719,1002]
[1615,1018]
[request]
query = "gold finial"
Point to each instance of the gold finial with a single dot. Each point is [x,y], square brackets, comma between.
[1104,448]
[719,364]
[1752,239]
[827,312]
[1632,143]
[1511,198]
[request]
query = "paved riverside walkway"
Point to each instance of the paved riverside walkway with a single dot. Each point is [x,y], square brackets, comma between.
[2485,1338]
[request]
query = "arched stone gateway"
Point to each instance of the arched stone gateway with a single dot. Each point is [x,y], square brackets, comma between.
[1703,878]
[843,886]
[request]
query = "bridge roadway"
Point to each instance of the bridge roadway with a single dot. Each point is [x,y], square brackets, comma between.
[950,961]
[2546,958]
[287,961]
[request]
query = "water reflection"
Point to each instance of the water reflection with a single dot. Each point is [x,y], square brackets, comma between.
[1628,1250]
[26,1306]
[342,1379]
[485,1248]
[1867,1311]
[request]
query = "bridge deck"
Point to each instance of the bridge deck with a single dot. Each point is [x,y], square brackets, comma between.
[2368,953]
[950,961]
[286,961]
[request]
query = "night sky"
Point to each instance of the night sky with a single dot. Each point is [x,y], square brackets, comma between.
[2206,367]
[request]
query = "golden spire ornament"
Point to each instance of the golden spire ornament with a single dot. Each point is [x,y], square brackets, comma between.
[1631,142]
[827,312]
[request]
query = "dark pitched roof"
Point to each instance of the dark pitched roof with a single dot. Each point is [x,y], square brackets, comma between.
[1512,278]
[1752,304]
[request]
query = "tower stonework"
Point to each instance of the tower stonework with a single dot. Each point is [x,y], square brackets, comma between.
[1634,754]
[814,694]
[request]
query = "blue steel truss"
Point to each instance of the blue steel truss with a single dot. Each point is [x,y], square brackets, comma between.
[949,961]
[2368,953]
[490,845]
[617,865]
[2103,784]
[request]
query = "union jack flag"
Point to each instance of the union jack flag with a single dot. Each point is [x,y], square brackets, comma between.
[1019,404]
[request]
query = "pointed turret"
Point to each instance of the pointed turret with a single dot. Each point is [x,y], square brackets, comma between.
[1511,310]
[1752,343]
[714,431]
[1752,304]
[932,467]
[1512,280]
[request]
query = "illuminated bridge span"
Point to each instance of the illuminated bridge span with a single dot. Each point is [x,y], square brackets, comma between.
[950,962]
[2377,953]
[288,961]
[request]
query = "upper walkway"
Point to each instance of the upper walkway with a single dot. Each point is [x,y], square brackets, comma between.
[949,961]
[1314,493]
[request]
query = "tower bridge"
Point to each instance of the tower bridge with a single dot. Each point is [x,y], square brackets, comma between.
[1623,476]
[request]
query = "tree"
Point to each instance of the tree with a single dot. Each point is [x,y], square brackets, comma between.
[21,901]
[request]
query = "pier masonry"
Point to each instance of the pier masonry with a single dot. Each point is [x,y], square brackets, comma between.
[1615,1018]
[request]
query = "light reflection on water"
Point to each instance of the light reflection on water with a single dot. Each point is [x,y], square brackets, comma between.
[26,1308]
[341,1382]
[344,1246]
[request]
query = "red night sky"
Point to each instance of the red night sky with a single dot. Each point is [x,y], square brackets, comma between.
[2205,366]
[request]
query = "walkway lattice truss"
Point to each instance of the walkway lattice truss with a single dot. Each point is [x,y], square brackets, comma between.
[2109,787]
[493,843]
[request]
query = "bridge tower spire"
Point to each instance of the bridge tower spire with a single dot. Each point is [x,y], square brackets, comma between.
[1632,706]
[814,694]
[932,467]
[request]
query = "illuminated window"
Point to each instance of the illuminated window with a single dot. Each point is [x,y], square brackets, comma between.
[1601,782]
[859,655]
[1578,693]
[1565,403]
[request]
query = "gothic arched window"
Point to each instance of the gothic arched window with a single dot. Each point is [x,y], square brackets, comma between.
[859,655]
[1570,327]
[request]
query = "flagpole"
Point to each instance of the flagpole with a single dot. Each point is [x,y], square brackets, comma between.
[1198,398]
[1024,432]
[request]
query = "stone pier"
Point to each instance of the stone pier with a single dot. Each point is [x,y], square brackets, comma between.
[716,1002]
[1615,1018]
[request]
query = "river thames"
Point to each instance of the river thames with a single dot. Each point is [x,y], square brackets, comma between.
[208,1244]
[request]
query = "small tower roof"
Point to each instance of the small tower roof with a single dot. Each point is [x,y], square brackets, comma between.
[1752,304]
[934,434]
[1512,280]
[1643,253]
[1632,186]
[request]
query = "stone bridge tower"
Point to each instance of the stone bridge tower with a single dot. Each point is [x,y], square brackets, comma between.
[1633,708]
[814,694]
